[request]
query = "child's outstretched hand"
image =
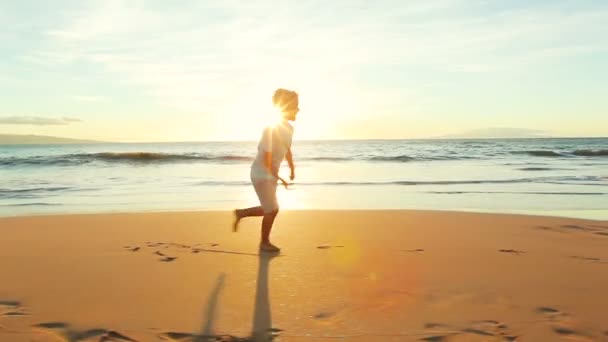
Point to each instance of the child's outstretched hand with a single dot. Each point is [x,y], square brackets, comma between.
[285,184]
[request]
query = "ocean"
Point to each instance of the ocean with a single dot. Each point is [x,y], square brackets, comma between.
[559,177]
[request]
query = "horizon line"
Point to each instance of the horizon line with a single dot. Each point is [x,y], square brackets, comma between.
[94,141]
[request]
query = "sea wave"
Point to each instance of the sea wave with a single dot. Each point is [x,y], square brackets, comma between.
[161,158]
[139,156]
[146,157]
[591,153]
[576,153]
[32,204]
[399,158]
[118,157]
[35,192]
[544,169]
[536,169]
[521,192]
[540,153]
[547,180]
[406,158]
[328,159]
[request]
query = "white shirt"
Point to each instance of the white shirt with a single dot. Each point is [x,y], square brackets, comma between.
[277,140]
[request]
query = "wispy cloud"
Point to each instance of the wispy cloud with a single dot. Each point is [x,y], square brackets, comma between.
[187,57]
[36,120]
[346,58]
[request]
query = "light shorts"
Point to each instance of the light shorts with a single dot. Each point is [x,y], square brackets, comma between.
[266,190]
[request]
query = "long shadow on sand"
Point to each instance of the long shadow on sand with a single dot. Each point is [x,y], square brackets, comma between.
[262,320]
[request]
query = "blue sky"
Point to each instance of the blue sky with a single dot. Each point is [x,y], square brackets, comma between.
[206,70]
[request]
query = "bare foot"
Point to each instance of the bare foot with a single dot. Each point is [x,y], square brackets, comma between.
[269,247]
[237,218]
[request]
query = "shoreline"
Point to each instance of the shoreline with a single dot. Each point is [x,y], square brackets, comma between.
[532,213]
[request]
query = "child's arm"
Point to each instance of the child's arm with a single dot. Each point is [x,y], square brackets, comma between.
[289,158]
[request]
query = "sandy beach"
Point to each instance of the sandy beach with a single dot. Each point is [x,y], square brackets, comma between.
[342,275]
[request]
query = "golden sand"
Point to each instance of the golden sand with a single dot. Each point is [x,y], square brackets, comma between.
[342,275]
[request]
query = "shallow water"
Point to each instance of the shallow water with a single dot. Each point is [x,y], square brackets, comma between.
[540,176]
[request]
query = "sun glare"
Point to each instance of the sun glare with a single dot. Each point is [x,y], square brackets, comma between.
[246,118]
[275,116]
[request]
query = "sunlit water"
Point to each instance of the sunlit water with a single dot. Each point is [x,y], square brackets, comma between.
[566,177]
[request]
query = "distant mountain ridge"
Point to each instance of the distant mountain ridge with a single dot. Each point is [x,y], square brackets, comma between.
[498,133]
[24,139]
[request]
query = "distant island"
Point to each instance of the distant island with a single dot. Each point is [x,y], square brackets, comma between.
[498,133]
[19,139]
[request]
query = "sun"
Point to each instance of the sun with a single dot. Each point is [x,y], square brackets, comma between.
[246,119]
[276,116]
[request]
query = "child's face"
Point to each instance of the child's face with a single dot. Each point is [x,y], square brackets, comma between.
[291,111]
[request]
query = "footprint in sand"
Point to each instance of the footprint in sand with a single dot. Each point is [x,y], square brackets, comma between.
[598,226]
[512,251]
[168,259]
[438,332]
[12,308]
[154,244]
[188,337]
[166,245]
[160,248]
[576,227]
[590,229]
[197,249]
[64,331]
[486,329]
[562,323]
[590,259]
[436,326]
[490,328]
[324,314]
[437,338]
[328,247]
[165,258]
[552,314]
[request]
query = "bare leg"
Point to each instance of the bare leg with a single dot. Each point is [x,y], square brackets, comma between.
[253,211]
[267,222]
[240,213]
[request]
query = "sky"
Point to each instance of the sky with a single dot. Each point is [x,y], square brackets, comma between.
[197,70]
